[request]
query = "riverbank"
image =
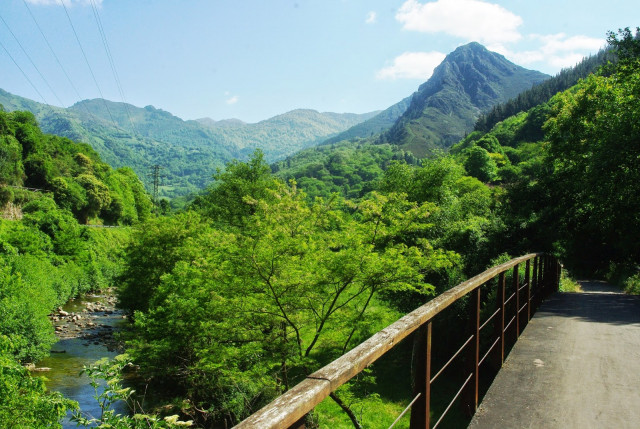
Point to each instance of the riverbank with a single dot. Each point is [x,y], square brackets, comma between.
[92,319]
[85,328]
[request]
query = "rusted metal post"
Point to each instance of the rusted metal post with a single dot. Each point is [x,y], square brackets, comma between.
[473,388]
[534,284]
[422,378]
[527,280]
[516,289]
[498,324]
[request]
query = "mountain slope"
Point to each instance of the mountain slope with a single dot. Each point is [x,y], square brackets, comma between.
[379,123]
[189,151]
[286,133]
[469,80]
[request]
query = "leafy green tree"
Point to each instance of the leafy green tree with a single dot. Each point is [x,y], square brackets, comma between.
[594,152]
[230,198]
[236,315]
[155,249]
[12,170]
[625,44]
[463,218]
[98,196]
[24,307]
[489,143]
[24,400]
[480,165]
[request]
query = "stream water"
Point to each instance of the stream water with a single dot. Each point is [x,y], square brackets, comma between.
[85,330]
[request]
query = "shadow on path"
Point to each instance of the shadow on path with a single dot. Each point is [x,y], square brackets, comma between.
[576,365]
[599,302]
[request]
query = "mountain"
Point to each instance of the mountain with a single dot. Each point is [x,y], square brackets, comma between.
[469,81]
[211,123]
[286,134]
[543,92]
[379,123]
[189,151]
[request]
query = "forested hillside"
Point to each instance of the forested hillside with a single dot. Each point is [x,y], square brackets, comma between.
[275,271]
[542,92]
[189,152]
[376,125]
[47,254]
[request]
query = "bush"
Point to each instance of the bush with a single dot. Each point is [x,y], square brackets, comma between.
[632,285]
[6,196]
[24,401]
[568,284]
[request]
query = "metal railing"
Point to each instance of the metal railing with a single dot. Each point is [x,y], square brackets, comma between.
[509,315]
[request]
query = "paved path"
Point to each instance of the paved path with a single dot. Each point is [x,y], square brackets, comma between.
[576,365]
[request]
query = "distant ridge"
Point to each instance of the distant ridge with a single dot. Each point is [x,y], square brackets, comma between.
[379,123]
[222,123]
[189,151]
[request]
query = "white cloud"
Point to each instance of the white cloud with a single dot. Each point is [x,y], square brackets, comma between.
[66,2]
[372,17]
[555,43]
[412,65]
[565,61]
[556,50]
[232,100]
[474,20]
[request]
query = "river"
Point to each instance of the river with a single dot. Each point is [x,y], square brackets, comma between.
[85,328]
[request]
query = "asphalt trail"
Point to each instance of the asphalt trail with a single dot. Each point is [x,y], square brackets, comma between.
[576,365]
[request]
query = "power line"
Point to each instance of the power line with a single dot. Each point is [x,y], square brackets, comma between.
[88,65]
[112,63]
[24,74]
[32,63]
[55,56]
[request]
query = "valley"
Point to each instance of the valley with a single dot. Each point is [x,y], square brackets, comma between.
[292,240]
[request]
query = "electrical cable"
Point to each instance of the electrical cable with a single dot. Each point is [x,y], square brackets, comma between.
[105,43]
[32,63]
[88,65]
[23,73]
[56,57]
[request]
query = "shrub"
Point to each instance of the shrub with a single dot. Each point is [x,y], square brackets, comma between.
[632,285]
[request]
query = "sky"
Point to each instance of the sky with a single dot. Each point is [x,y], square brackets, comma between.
[254,59]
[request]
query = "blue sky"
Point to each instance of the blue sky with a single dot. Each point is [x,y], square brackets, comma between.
[254,59]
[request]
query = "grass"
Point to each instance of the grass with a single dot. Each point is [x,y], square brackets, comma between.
[371,411]
[568,284]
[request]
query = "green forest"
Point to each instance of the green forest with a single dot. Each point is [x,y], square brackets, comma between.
[275,270]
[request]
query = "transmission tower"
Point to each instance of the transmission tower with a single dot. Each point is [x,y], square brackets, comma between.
[155,174]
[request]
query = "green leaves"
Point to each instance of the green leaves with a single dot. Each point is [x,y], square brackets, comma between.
[24,401]
[236,309]
[105,376]
[594,151]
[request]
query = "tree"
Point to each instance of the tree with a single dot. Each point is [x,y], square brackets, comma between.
[239,315]
[98,196]
[24,400]
[480,165]
[625,44]
[594,151]
[229,199]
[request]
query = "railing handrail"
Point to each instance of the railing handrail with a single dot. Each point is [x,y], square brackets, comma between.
[291,406]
